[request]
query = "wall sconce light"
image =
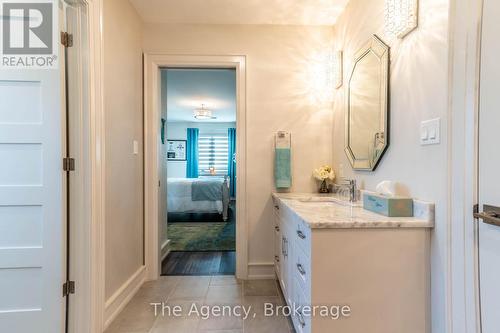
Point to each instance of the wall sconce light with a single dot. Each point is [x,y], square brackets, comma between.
[401,17]
[337,69]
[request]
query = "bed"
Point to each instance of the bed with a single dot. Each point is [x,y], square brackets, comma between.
[198,195]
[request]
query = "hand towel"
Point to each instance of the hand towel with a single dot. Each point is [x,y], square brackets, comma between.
[282,168]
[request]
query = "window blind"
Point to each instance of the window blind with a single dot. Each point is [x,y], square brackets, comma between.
[213,153]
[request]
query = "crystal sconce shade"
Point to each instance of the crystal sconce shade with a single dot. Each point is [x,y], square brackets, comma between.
[401,17]
[337,69]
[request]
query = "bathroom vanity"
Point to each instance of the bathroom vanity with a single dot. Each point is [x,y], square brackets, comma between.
[329,252]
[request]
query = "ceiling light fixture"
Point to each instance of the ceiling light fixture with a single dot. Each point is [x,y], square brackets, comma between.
[401,17]
[203,113]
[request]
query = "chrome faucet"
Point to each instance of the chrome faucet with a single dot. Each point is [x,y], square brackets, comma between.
[350,184]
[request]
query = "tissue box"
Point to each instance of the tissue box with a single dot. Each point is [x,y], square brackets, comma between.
[388,206]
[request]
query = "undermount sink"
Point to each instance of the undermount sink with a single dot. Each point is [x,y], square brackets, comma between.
[335,200]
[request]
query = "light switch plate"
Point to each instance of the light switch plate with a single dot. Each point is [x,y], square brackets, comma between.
[430,132]
[136,147]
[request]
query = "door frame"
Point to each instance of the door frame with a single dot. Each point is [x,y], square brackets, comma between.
[90,282]
[465,26]
[96,240]
[153,63]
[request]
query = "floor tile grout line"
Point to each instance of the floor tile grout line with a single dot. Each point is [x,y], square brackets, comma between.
[176,282]
[204,302]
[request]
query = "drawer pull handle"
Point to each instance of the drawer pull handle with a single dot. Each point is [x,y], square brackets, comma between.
[301,234]
[277,228]
[301,269]
[300,317]
[277,207]
[277,258]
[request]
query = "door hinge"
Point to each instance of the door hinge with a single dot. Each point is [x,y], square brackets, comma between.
[68,164]
[66,39]
[68,288]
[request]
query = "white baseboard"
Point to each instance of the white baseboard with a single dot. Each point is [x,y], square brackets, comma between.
[115,304]
[165,249]
[261,270]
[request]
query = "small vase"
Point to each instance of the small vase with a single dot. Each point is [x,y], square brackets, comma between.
[324,187]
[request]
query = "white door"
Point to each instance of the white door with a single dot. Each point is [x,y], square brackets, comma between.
[489,168]
[78,119]
[31,209]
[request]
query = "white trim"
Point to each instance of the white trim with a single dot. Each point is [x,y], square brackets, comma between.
[152,65]
[90,283]
[98,190]
[463,290]
[261,271]
[165,249]
[261,263]
[117,302]
[91,308]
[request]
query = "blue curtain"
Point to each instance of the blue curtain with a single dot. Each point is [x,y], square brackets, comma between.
[192,153]
[231,167]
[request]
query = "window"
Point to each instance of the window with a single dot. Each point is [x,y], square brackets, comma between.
[213,153]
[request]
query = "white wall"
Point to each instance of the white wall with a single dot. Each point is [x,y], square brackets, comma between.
[285,91]
[123,124]
[419,91]
[178,131]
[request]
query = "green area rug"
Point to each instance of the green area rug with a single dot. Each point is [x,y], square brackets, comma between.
[202,236]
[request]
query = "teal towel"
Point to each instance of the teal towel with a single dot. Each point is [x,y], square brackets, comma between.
[282,168]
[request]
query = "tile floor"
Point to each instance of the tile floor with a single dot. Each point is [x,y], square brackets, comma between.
[184,291]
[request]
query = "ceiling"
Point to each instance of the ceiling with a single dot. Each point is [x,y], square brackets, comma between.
[188,89]
[280,12]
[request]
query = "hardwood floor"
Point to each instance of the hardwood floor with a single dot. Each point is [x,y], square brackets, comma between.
[200,263]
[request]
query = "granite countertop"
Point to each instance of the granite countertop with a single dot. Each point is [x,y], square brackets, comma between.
[327,214]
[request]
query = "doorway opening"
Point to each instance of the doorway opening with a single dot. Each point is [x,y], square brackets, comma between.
[157,240]
[198,158]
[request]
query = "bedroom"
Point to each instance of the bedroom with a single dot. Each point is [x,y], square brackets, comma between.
[199,141]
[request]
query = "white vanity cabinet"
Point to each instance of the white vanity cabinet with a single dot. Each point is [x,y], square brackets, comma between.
[283,255]
[293,272]
[277,244]
[381,274]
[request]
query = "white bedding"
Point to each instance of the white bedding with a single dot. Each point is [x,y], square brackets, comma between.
[179,199]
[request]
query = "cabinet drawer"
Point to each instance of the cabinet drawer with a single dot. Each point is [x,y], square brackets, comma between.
[277,251]
[301,271]
[302,237]
[284,259]
[276,208]
[277,267]
[276,226]
[301,322]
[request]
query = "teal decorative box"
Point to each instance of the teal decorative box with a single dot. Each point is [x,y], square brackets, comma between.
[388,206]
